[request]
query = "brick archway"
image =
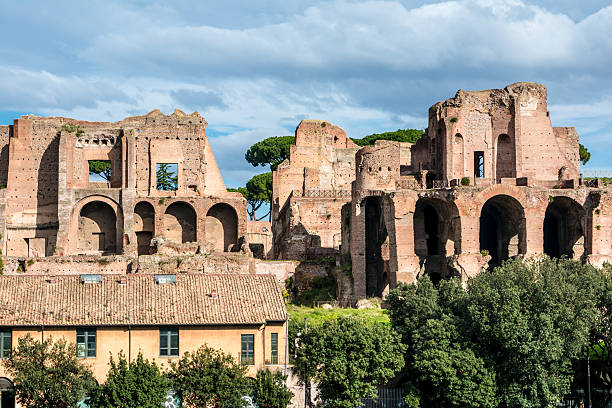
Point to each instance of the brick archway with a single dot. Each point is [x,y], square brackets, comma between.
[502,230]
[97,209]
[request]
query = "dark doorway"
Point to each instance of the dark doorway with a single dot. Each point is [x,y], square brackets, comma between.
[563,228]
[479,165]
[377,248]
[502,229]
[144,226]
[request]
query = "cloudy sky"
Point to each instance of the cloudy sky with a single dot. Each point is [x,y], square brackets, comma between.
[254,69]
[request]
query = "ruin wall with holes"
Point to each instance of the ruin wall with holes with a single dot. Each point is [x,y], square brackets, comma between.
[309,190]
[490,180]
[53,207]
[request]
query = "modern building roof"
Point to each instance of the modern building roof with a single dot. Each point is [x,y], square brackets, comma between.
[139,300]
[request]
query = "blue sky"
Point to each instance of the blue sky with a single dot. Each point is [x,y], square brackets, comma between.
[254,69]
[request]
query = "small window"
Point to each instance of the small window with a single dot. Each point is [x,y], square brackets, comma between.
[165,279]
[168,342]
[247,347]
[99,171]
[167,176]
[91,278]
[479,164]
[274,348]
[5,343]
[86,343]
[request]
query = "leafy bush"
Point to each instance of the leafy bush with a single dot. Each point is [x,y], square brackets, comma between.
[270,389]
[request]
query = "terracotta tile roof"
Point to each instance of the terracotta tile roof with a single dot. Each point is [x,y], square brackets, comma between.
[28,300]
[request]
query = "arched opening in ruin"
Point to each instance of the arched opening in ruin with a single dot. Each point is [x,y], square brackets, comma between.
[505,157]
[502,229]
[222,227]
[436,234]
[180,222]
[377,248]
[7,393]
[144,226]
[564,228]
[97,229]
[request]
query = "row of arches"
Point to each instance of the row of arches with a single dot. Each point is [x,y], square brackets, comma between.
[501,234]
[99,222]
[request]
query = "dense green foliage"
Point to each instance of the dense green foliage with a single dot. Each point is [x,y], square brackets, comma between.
[400,135]
[138,384]
[100,168]
[208,377]
[48,373]
[270,389]
[166,178]
[585,156]
[348,358]
[258,191]
[271,151]
[509,340]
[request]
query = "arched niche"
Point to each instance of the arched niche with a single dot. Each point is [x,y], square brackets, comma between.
[180,223]
[222,227]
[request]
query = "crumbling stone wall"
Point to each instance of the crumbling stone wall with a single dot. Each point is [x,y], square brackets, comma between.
[527,203]
[309,190]
[48,184]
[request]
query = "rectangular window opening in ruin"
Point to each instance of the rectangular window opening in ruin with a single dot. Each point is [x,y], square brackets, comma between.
[99,171]
[167,176]
[479,165]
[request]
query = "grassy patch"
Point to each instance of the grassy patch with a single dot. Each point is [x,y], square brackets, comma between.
[318,315]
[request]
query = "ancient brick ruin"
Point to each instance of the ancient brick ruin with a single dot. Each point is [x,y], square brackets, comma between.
[490,179]
[53,208]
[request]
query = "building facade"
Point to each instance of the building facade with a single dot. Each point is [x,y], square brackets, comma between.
[160,316]
[53,206]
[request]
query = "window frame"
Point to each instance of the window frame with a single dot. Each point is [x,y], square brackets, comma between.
[4,351]
[274,348]
[168,333]
[83,349]
[247,355]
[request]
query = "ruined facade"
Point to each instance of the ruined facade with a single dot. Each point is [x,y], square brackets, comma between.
[491,179]
[309,190]
[52,206]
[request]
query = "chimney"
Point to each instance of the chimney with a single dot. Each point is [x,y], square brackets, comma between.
[123,280]
[213,294]
[51,279]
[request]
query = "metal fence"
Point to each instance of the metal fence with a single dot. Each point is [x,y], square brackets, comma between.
[596,173]
[387,398]
[326,193]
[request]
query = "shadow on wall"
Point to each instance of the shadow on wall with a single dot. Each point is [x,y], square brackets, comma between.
[302,245]
[47,201]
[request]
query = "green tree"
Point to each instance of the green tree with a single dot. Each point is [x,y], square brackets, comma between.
[348,358]
[270,151]
[100,168]
[585,156]
[131,385]
[520,327]
[167,178]
[208,377]
[258,191]
[48,373]
[400,135]
[270,390]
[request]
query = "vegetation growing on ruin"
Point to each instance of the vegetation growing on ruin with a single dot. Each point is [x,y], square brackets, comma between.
[400,135]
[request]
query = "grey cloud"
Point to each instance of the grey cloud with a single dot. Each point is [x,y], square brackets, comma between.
[200,100]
